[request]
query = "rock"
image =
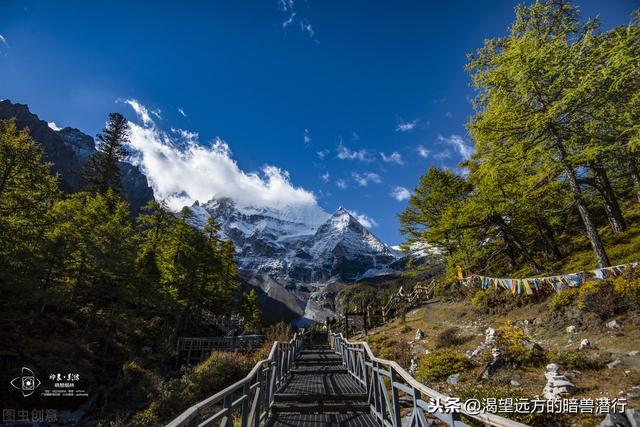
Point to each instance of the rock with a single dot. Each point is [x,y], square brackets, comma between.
[419,334]
[489,340]
[453,379]
[614,364]
[571,329]
[414,366]
[557,385]
[615,420]
[633,415]
[614,324]
[515,383]
[634,353]
[552,367]
[585,343]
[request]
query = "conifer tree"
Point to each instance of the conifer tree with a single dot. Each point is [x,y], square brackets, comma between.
[251,310]
[103,167]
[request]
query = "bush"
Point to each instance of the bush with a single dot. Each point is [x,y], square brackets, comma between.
[629,289]
[405,329]
[450,337]
[438,365]
[580,360]
[518,348]
[398,351]
[562,299]
[599,297]
[493,301]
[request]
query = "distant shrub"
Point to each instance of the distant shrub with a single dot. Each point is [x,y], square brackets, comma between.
[518,348]
[438,365]
[580,360]
[405,329]
[493,301]
[599,297]
[450,337]
[562,299]
[398,351]
[217,372]
[628,289]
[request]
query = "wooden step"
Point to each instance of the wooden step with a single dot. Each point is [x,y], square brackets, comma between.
[320,407]
[317,398]
[319,370]
[322,420]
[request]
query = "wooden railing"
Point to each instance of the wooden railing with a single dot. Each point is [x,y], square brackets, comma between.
[248,400]
[388,386]
[406,301]
[194,350]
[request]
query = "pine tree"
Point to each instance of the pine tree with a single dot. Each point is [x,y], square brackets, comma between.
[251,311]
[27,192]
[103,167]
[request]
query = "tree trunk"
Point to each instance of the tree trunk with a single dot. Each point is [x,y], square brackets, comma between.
[609,199]
[633,167]
[587,219]
[549,240]
[514,240]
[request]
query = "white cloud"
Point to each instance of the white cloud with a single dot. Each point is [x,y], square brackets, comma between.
[364,219]
[423,152]
[182,172]
[181,111]
[141,111]
[325,176]
[306,27]
[289,20]
[394,157]
[307,137]
[448,114]
[439,101]
[400,193]
[345,153]
[186,135]
[54,126]
[157,113]
[402,126]
[4,45]
[322,154]
[341,183]
[459,145]
[365,178]
[355,136]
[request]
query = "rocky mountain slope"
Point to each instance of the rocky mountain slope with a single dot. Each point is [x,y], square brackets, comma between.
[68,150]
[300,257]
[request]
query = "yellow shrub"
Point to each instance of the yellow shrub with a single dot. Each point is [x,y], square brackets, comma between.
[518,348]
[599,297]
[562,299]
[628,288]
[437,366]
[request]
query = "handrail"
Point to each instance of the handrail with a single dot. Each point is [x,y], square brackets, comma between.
[249,398]
[371,372]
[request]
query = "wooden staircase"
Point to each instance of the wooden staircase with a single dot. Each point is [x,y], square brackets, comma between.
[320,392]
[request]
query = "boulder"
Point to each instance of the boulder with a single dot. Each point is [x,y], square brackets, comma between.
[613,364]
[615,420]
[419,335]
[585,343]
[453,379]
[571,329]
[614,324]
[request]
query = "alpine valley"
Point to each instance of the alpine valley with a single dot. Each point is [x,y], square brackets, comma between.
[298,257]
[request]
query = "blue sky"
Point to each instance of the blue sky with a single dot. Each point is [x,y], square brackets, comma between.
[351,101]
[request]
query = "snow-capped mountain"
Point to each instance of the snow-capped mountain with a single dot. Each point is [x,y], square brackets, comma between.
[294,253]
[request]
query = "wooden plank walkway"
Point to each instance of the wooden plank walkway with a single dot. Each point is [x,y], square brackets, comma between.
[320,393]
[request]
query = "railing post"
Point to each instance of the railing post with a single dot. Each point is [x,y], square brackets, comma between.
[395,401]
[244,414]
